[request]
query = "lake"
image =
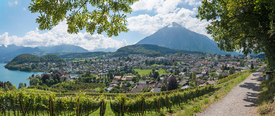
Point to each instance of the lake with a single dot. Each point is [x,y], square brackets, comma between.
[15,77]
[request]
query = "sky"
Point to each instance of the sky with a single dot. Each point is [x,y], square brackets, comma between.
[17,25]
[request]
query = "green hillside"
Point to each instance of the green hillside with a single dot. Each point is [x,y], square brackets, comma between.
[15,63]
[148,50]
[74,56]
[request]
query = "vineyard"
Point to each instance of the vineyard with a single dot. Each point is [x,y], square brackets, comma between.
[19,103]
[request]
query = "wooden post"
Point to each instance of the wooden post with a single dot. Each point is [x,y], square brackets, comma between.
[167,100]
[159,106]
[51,107]
[179,99]
[122,107]
[142,106]
[101,109]
[22,108]
[77,112]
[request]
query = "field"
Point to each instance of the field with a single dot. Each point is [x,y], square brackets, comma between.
[147,71]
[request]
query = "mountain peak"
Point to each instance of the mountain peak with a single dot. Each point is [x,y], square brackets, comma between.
[174,24]
[175,36]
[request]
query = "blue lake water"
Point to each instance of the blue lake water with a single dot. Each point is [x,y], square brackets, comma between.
[15,77]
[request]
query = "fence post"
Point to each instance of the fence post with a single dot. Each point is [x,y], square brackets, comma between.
[143,100]
[22,108]
[102,106]
[122,107]
[159,105]
[167,100]
[51,107]
[77,112]
[179,98]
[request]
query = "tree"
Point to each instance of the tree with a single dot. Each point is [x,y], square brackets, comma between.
[231,70]
[242,25]
[20,85]
[108,16]
[101,90]
[156,74]
[163,88]
[227,55]
[220,76]
[116,89]
[252,66]
[45,77]
[34,81]
[173,84]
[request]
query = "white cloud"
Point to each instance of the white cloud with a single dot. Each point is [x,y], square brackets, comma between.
[12,3]
[160,6]
[24,8]
[193,2]
[58,35]
[168,12]
[150,24]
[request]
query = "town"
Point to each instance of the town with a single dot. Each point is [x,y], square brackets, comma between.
[138,73]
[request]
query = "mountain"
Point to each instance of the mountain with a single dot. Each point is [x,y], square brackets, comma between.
[75,56]
[11,51]
[175,36]
[104,50]
[148,50]
[64,48]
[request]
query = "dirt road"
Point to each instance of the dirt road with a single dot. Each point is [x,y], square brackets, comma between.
[240,101]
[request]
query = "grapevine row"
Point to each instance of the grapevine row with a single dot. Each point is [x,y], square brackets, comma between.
[140,105]
[20,103]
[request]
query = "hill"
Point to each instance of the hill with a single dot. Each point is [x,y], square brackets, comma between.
[148,50]
[11,51]
[16,63]
[175,36]
[64,48]
[75,56]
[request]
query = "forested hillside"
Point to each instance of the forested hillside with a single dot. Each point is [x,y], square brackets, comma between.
[148,50]
[18,63]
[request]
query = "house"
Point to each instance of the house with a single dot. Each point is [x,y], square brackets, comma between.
[185,87]
[117,77]
[225,74]
[127,78]
[184,82]
[142,82]
[114,82]
[210,82]
[139,88]
[125,88]
[219,71]
[108,89]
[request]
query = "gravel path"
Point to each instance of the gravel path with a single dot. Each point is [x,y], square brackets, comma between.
[240,101]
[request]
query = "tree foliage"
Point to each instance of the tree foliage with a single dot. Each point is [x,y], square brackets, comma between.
[173,84]
[246,25]
[107,15]
[116,89]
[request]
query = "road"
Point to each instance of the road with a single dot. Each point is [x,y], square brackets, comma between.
[241,100]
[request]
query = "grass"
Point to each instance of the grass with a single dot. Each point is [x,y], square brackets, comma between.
[36,91]
[267,97]
[147,71]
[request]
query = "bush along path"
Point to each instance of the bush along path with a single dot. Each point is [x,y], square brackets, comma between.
[241,100]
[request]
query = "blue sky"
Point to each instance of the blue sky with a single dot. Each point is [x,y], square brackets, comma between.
[17,24]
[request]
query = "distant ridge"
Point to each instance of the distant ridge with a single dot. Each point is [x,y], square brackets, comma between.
[64,48]
[175,36]
[148,50]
